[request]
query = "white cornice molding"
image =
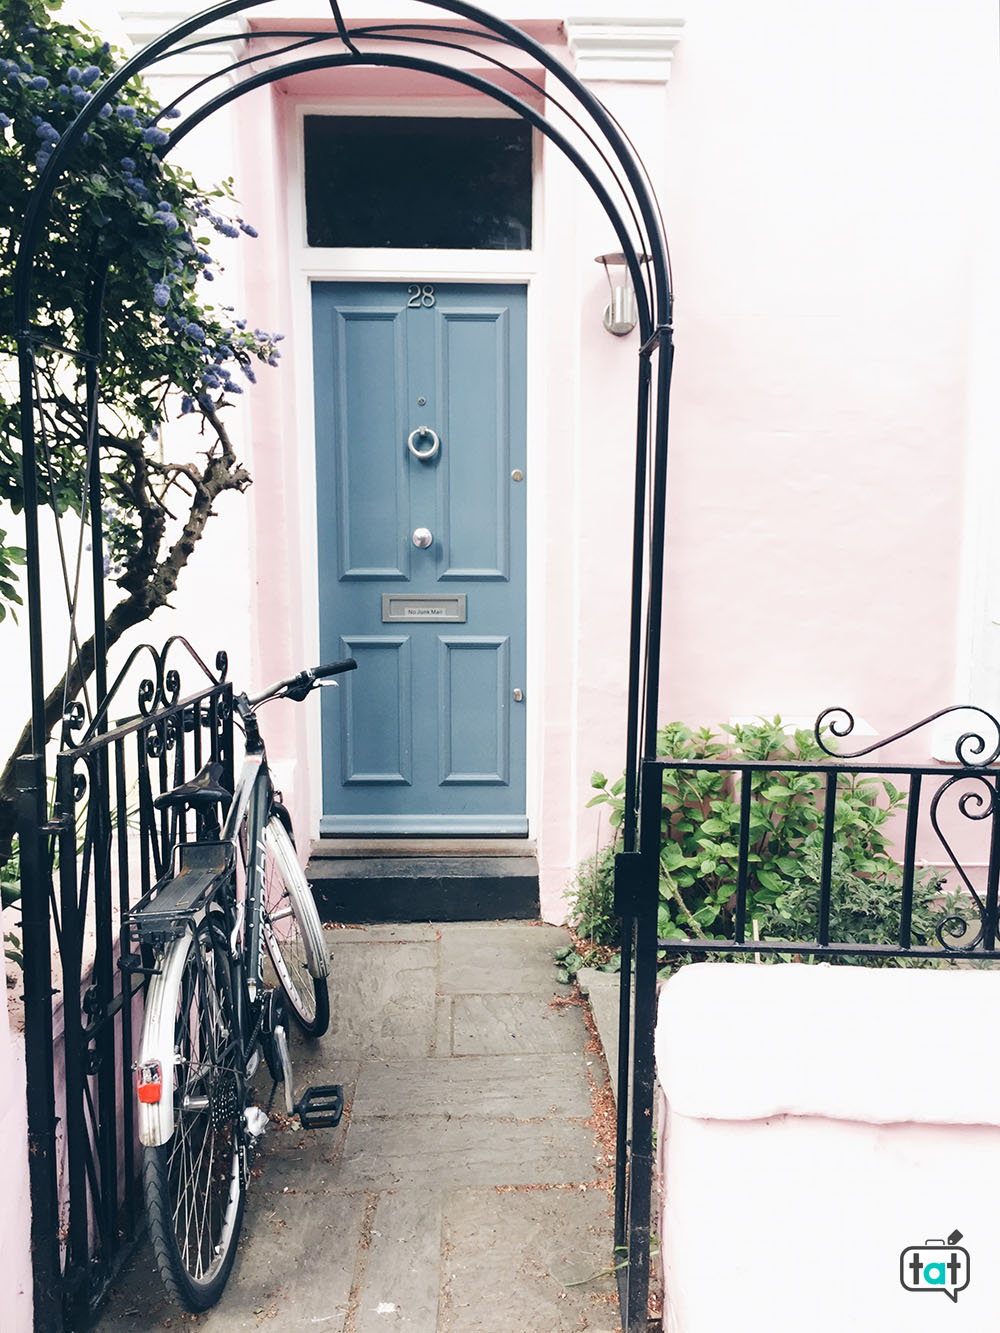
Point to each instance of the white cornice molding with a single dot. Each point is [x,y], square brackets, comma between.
[143,22]
[623,50]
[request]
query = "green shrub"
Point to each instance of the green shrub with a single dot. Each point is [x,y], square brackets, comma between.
[591,898]
[701,832]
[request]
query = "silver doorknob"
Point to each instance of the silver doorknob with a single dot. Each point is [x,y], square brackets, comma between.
[422,537]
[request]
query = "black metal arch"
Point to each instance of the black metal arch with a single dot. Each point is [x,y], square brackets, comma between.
[619,182]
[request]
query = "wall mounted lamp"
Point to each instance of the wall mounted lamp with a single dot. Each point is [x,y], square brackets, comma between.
[620,314]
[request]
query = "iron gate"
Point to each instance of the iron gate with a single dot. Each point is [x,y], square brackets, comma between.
[86,858]
[944,805]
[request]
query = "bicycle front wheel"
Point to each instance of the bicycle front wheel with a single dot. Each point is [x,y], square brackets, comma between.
[194,1183]
[293,932]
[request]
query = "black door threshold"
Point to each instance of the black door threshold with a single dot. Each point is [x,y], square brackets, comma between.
[358,887]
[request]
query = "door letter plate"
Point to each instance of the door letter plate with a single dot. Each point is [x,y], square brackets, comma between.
[448,607]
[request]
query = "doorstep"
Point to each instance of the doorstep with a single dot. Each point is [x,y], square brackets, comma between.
[424,879]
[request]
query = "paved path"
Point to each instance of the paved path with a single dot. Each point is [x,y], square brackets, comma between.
[465,1190]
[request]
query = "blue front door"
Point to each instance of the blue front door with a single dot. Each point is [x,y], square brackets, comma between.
[420,463]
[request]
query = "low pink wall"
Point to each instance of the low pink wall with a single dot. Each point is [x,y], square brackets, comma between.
[15,1212]
[815,1124]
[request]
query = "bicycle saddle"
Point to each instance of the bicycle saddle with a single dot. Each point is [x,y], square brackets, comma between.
[202,791]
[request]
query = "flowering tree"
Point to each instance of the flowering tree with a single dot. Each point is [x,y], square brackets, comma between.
[123,218]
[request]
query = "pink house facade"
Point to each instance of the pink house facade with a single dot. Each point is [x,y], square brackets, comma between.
[831,201]
[831,207]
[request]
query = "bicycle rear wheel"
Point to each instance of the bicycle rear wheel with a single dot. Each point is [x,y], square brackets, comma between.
[292,930]
[194,1184]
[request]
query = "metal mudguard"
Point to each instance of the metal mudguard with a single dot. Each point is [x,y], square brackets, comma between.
[156,1119]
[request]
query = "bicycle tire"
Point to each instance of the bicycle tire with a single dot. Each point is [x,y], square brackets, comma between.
[292,931]
[195,1183]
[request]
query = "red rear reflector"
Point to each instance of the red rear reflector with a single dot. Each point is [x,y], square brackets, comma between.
[150,1082]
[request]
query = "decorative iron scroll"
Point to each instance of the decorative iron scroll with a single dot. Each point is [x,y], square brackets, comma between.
[975,751]
[981,802]
[159,690]
[840,722]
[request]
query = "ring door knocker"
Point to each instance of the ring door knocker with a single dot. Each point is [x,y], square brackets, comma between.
[422,432]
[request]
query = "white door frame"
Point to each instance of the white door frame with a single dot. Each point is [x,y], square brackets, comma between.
[309,264]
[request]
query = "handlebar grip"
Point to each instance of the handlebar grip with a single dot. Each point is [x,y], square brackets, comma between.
[334,668]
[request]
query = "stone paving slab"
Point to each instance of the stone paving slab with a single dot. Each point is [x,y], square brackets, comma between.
[295,1266]
[498,959]
[397,932]
[530,1261]
[518,1087]
[402,1274]
[515,1025]
[383,1003]
[438,1152]
[449,1199]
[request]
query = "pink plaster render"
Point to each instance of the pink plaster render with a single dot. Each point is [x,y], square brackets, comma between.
[821,183]
[15,1212]
[845,1115]
[819,193]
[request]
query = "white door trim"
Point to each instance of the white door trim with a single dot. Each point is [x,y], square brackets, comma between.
[311,264]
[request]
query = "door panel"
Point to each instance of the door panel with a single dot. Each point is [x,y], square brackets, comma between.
[425,736]
[474,679]
[376,727]
[371,489]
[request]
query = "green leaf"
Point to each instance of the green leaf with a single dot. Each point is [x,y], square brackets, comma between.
[773,883]
[715,826]
[775,792]
[597,779]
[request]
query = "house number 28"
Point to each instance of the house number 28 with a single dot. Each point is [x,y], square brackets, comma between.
[420,294]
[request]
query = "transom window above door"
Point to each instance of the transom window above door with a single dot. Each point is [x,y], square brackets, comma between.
[427,182]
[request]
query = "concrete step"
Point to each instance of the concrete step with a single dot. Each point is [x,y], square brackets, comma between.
[337,848]
[357,888]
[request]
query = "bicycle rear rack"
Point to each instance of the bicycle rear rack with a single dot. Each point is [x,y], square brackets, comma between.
[171,904]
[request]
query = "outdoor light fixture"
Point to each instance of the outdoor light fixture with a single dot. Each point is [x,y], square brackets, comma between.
[620,314]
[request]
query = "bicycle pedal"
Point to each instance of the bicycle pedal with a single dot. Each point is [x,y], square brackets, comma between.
[321,1107]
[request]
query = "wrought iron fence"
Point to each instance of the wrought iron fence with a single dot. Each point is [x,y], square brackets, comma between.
[952,822]
[89,849]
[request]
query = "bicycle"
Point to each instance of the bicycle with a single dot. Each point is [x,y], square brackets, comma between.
[230,896]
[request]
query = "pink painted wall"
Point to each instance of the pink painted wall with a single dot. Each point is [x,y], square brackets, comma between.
[799,1164]
[820,183]
[15,1214]
[821,180]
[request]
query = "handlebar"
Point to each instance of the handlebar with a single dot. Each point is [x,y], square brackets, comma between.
[298,686]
